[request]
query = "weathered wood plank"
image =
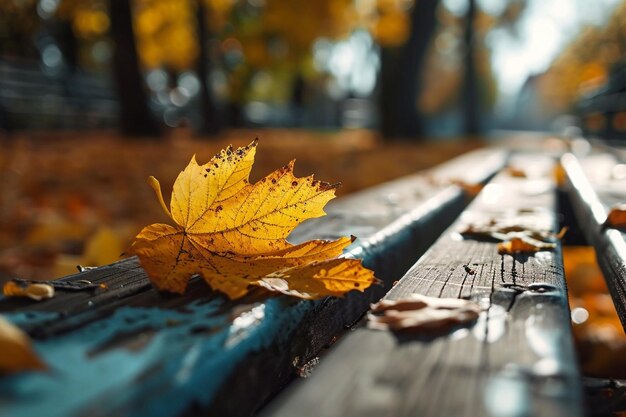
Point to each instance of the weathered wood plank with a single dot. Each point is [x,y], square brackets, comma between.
[133,351]
[516,360]
[595,184]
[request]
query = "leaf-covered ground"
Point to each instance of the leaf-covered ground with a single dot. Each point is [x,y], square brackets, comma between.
[79,198]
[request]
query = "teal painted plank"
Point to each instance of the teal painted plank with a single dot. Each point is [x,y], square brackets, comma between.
[83,381]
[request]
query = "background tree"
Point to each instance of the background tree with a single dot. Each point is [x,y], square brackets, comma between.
[401,65]
[18,25]
[209,119]
[135,116]
[470,82]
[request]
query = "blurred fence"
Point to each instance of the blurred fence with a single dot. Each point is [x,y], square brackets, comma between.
[31,98]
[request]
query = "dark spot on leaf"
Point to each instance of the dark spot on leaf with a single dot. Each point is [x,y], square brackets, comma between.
[218,209]
[294,183]
[206,175]
[273,180]
[357,285]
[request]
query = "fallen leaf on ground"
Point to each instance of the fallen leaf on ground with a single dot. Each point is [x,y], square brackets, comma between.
[101,248]
[17,352]
[233,233]
[617,217]
[35,291]
[418,312]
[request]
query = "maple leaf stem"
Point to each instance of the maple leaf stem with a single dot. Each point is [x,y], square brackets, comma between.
[156,186]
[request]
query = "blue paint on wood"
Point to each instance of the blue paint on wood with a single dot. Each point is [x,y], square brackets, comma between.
[184,365]
[31,317]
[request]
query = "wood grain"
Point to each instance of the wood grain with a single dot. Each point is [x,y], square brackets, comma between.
[130,350]
[516,360]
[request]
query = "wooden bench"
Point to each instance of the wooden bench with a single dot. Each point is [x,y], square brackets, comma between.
[130,350]
[596,182]
[517,360]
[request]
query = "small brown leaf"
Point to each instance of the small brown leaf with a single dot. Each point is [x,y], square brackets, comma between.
[514,238]
[617,217]
[17,352]
[502,232]
[35,291]
[470,189]
[562,232]
[516,172]
[419,313]
[522,245]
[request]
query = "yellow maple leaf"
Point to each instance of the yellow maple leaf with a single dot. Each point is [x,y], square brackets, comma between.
[233,233]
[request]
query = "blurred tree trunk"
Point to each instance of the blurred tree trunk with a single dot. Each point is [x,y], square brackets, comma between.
[67,42]
[470,103]
[209,120]
[387,86]
[134,113]
[400,75]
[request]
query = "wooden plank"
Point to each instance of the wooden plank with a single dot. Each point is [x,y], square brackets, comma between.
[130,350]
[516,360]
[595,184]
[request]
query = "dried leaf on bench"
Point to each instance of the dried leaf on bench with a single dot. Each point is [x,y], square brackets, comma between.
[523,245]
[233,233]
[17,352]
[516,172]
[617,217]
[35,291]
[514,238]
[505,231]
[419,313]
[470,189]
